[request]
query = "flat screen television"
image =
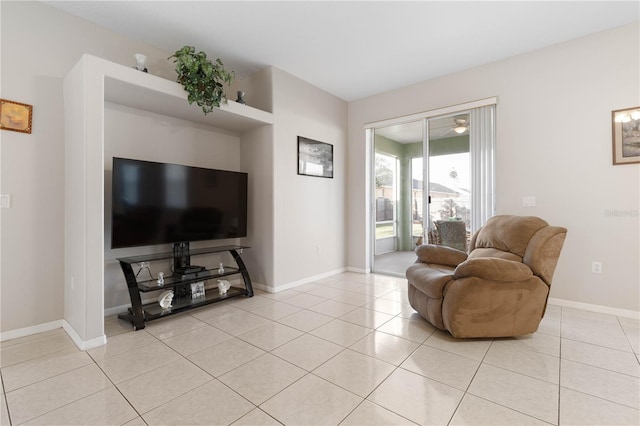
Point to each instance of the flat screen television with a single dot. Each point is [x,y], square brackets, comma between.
[159,203]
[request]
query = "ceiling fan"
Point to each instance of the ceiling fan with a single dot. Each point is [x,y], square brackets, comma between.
[461,125]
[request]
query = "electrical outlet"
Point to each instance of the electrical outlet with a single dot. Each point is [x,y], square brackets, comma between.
[529,201]
[144,265]
[596,267]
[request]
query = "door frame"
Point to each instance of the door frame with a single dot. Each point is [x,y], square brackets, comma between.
[370,166]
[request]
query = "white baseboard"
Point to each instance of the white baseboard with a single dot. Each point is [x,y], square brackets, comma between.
[625,313]
[259,286]
[293,284]
[52,325]
[83,345]
[28,331]
[116,310]
[122,308]
[358,270]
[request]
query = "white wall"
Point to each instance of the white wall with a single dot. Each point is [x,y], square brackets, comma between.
[39,46]
[257,156]
[309,212]
[553,142]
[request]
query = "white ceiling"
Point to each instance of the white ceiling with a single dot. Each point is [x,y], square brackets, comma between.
[359,48]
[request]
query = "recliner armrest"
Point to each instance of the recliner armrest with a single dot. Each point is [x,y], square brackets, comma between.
[494,269]
[441,255]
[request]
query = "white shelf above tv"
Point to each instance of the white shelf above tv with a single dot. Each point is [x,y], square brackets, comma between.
[127,86]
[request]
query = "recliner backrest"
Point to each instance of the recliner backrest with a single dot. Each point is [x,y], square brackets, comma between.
[526,239]
[509,233]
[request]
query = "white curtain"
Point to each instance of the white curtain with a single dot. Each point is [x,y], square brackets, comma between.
[482,141]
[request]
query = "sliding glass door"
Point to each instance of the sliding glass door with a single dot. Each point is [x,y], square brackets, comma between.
[449,180]
[433,183]
[386,174]
[398,195]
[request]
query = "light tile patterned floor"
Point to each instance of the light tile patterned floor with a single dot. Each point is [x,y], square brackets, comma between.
[346,350]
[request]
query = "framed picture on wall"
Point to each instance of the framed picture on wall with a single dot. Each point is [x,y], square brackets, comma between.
[15,116]
[315,158]
[626,135]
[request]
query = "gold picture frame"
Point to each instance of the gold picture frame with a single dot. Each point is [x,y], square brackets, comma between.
[15,116]
[626,135]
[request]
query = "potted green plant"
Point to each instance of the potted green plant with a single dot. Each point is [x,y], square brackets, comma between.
[201,78]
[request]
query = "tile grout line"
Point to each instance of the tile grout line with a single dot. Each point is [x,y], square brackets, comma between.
[466,391]
[190,390]
[627,335]
[560,386]
[213,378]
[482,362]
[116,386]
[394,370]
[4,395]
[558,415]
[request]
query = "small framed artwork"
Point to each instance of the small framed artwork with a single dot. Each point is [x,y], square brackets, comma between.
[626,135]
[315,158]
[15,116]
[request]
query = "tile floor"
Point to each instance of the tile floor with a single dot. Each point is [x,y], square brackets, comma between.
[394,263]
[344,350]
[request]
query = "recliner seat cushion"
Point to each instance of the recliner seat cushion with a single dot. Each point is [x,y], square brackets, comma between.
[492,252]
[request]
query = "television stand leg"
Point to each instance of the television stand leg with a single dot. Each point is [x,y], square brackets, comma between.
[243,271]
[137,312]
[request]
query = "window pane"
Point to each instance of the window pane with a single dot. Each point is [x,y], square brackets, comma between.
[386,195]
[416,196]
[450,187]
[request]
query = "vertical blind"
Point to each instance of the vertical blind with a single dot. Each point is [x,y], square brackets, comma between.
[482,141]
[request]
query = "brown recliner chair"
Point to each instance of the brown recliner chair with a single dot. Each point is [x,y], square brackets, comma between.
[499,289]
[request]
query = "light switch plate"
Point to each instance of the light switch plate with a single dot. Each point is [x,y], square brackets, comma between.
[529,201]
[5,201]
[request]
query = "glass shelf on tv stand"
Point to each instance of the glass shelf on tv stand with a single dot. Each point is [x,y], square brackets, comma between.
[154,310]
[138,314]
[178,280]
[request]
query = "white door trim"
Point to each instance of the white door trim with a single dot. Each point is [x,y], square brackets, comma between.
[432,113]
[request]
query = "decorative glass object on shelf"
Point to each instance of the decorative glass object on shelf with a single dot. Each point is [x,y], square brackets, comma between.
[141,62]
[165,299]
[223,286]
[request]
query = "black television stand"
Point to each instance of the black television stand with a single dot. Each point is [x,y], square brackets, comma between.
[188,270]
[138,313]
